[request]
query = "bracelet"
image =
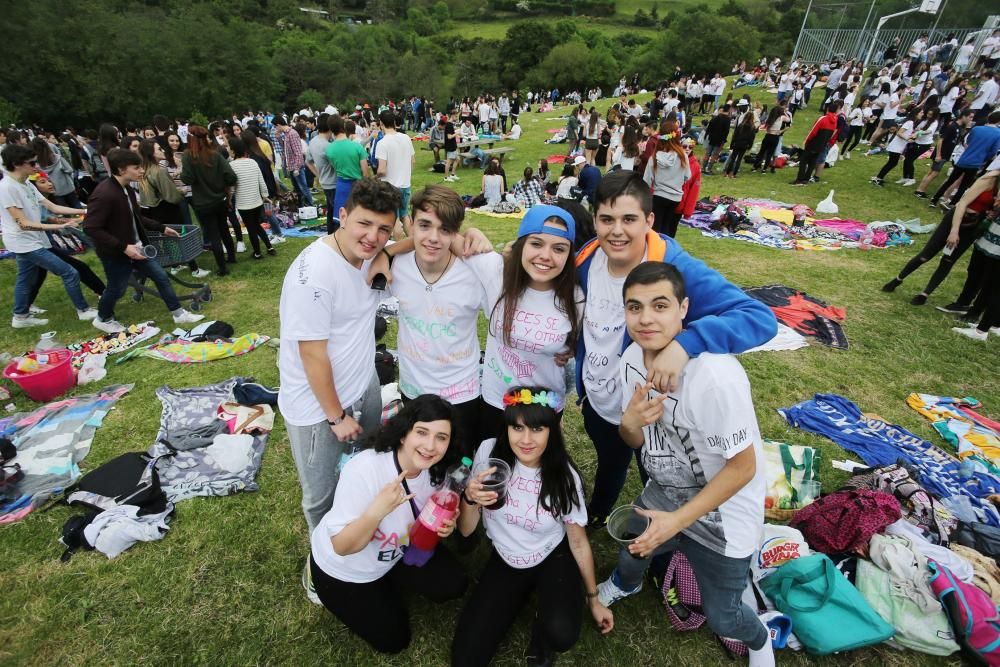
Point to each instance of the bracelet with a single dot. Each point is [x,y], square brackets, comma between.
[387,256]
[339,420]
[590,596]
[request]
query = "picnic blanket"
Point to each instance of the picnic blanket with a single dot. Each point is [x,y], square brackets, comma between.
[956,420]
[113,343]
[180,351]
[804,313]
[51,441]
[880,443]
[776,224]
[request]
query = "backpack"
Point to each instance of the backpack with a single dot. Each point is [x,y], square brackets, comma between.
[973,615]
[438,167]
[844,521]
[916,505]
[385,365]
[982,537]
[682,599]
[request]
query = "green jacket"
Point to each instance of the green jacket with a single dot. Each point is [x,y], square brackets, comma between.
[208,183]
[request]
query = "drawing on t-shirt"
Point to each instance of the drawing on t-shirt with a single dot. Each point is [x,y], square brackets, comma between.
[671,461]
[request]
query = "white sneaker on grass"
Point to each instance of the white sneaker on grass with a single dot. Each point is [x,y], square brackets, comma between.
[277,239]
[307,583]
[35,310]
[175,270]
[27,321]
[200,273]
[240,246]
[108,326]
[88,314]
[908,182]
[971,332]
[185,317]
[609,593]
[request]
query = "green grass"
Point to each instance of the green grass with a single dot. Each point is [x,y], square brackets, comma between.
[223,586]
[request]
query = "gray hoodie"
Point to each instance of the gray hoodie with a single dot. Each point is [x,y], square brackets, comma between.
[667,175]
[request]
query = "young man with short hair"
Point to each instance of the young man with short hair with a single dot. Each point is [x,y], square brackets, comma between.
[450,148]
[396,158]
[701,447]
[24,234]
[118,229]
[349,161]
[721,319]
[320,165]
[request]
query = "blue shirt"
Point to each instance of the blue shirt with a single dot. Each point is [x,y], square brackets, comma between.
[981,145]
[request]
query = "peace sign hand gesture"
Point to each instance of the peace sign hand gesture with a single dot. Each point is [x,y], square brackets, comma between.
[390,497]
[642,411]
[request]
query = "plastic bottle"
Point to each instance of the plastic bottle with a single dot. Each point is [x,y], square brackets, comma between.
[47,343]
[442,506]
[27,365]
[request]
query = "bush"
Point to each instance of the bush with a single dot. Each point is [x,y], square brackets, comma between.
[643,19]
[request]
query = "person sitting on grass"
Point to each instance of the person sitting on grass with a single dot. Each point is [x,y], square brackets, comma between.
[538,535]
[701,447]
[357,546]
[119,233]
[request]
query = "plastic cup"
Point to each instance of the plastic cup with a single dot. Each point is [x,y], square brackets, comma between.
[808,491]
[625,525]
[495,481]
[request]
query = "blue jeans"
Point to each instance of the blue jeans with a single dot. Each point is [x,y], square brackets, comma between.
[341,194]
[303,187]
[721,580]
[613,457]
[28,264]
[118,271]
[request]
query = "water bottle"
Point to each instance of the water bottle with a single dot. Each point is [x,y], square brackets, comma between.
[441,507]
[47,343]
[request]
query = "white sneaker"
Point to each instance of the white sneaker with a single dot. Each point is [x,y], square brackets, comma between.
[175,270]
[909,182]
[455,177]
[35,310]
[847,156]
[901,181]
[307,583]
[108,326]
[971,332]
[200,273]
[240,246]
[185,317]
[275,240]
[26,321]
[609,593]
[88,314]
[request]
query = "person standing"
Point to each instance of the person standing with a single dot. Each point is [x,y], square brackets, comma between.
[396,158]
[24,234]
[981,145]
[666,173]
[450,148]
[211,179]
[251,191]
[119,233]
[318,163]
[349,161]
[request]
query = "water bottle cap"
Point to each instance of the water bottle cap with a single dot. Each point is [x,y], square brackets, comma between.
[467,461]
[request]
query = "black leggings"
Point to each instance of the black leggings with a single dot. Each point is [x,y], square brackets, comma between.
[376,611]
[968,176]
[889,165]
[978,292]
[967,234]
[765,158]
[734,161]
[87,275]
[252,218]
[910,156]
[665,216]
[853,134]
[870,128]
[806,165]
[501,593]
[216,231]
[235,222]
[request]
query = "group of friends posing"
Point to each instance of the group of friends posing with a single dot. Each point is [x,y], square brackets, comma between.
[652,331]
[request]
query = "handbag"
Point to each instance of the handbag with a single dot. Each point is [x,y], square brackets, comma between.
[827,611]
[786,467]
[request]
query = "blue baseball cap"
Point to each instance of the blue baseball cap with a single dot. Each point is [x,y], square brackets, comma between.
[533,222]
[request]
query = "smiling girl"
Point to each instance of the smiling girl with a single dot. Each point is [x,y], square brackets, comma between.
[356,546]
[539,541]
[532,304]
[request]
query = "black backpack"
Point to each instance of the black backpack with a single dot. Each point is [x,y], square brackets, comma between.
[129,479]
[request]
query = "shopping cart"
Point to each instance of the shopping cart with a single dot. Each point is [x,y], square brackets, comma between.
[170,251]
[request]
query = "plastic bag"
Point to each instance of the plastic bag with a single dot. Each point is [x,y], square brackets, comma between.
[827,205]
[93,369]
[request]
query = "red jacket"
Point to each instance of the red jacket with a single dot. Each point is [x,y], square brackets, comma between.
[691,189]
[826,124]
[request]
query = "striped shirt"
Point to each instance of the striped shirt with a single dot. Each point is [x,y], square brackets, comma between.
[250,186]
[292,145]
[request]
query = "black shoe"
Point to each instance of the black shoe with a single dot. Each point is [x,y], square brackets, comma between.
[223,271]
[892,285]
[676,606]
[954,308]
[257,255]
[971,317]
[271,251]
[918,193]
[918,300]
[947,206]
[230,260]
[879,182]
[537,655]
[933,203]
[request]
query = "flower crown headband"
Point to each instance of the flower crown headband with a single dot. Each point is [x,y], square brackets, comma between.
[669,135]
[527,397]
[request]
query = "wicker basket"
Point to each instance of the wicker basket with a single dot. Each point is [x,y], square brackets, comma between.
[177,250]
[775,514]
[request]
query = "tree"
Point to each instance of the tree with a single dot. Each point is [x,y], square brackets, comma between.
[699,42]
[9,113]
[643,19]
[312,98]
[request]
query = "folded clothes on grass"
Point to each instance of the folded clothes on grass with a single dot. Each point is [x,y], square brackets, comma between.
[805,314]
[956,420]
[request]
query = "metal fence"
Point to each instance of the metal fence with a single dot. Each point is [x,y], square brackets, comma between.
[820,45]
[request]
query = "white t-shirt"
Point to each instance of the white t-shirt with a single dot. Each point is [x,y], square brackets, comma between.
[566,186]
[985,95]
[707,421]
[515,132]
[360,481]
[857,117]
[898,143]
[926,136]
[891,111]
[603,333]
[484,112]
[325,298]
[539,333]
[948,101]
[438,337]
[27,198]
[964,55]
[522,532]
[397,149]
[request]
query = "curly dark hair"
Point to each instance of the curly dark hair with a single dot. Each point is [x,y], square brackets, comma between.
[424,408]
[375,195]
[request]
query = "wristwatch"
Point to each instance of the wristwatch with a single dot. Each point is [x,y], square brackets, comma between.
[339,420]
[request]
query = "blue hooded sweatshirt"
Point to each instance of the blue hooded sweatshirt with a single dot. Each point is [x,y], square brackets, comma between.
[721,318]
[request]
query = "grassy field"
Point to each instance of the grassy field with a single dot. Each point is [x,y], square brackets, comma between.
[222,588]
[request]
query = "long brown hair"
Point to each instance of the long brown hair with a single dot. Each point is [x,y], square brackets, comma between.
[200,146]
[516,280]
[669,140]
[147,151]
